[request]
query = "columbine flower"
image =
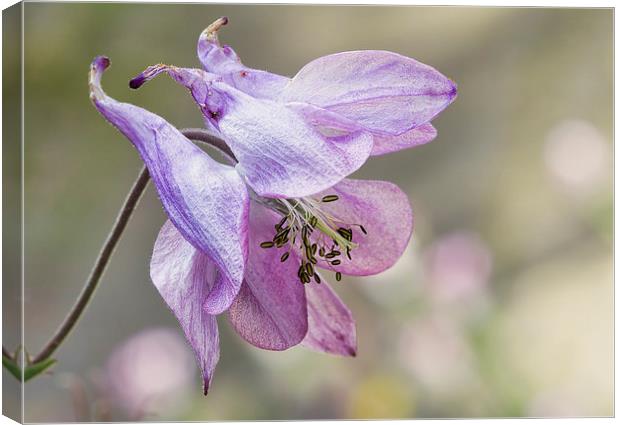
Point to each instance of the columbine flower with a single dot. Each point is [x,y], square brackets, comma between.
[256,251]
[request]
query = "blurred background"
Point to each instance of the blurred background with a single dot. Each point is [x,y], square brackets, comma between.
[502,305]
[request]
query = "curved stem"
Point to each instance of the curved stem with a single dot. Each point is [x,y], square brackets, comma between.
[102,260]
[6,353]
[204,136]
[135,193]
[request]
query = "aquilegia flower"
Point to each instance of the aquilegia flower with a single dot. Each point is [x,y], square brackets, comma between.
[252,239]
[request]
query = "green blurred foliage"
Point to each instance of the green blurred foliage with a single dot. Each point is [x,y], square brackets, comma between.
[535,338]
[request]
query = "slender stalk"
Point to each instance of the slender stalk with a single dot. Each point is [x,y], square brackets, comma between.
[204,136]
[100,264]
[6,353]
[131,201]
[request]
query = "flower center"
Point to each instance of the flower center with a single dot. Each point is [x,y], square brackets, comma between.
[309,230]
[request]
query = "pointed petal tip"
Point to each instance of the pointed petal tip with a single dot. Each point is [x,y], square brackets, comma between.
[453,90]
[351,351]
[205,385]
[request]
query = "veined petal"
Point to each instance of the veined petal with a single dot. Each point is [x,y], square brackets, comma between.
[223,61]
[384,212]
[184,276]
[416,137]
[207,201]
[284,151]
[331,327]
[386,92]
[270,310]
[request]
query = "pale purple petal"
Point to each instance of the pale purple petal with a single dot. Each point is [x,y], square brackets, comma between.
[386,92]
[270,310]
[223,61]
[416,137]
[184,276]
[283,150]
[384,212]
[331,327]
[207,201]
[257,83]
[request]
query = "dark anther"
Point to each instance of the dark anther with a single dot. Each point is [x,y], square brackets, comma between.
[335,262]
[332,254]
[338,276]
[345,233]
[313,221]
[317,279]
[349,253]
[309,269]
[362,229]
[282,234]
[314,247]
[284,257]
[329,198]
[266,244]
[322,252]
[281,223]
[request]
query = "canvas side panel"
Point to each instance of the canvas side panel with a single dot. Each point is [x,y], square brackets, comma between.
[11,201]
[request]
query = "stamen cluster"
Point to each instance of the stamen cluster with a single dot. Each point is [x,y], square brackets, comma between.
[301,217]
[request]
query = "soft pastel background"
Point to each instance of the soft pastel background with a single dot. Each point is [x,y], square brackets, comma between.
[501,306]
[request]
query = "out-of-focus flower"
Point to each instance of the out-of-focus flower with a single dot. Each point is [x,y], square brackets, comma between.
[219,251]
[436,353]
[555,336]
[149,372]
[578,156]
[458,266]
[382,396]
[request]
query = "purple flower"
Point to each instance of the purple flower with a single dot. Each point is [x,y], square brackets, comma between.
[250,239]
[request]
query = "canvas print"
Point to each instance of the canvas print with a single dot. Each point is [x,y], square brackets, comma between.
[219,212]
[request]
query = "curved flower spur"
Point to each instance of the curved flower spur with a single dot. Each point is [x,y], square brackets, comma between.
[255,239]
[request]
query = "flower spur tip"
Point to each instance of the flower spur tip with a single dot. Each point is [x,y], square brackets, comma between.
[97,67]
[101,63]
[136,83]
[210,32]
